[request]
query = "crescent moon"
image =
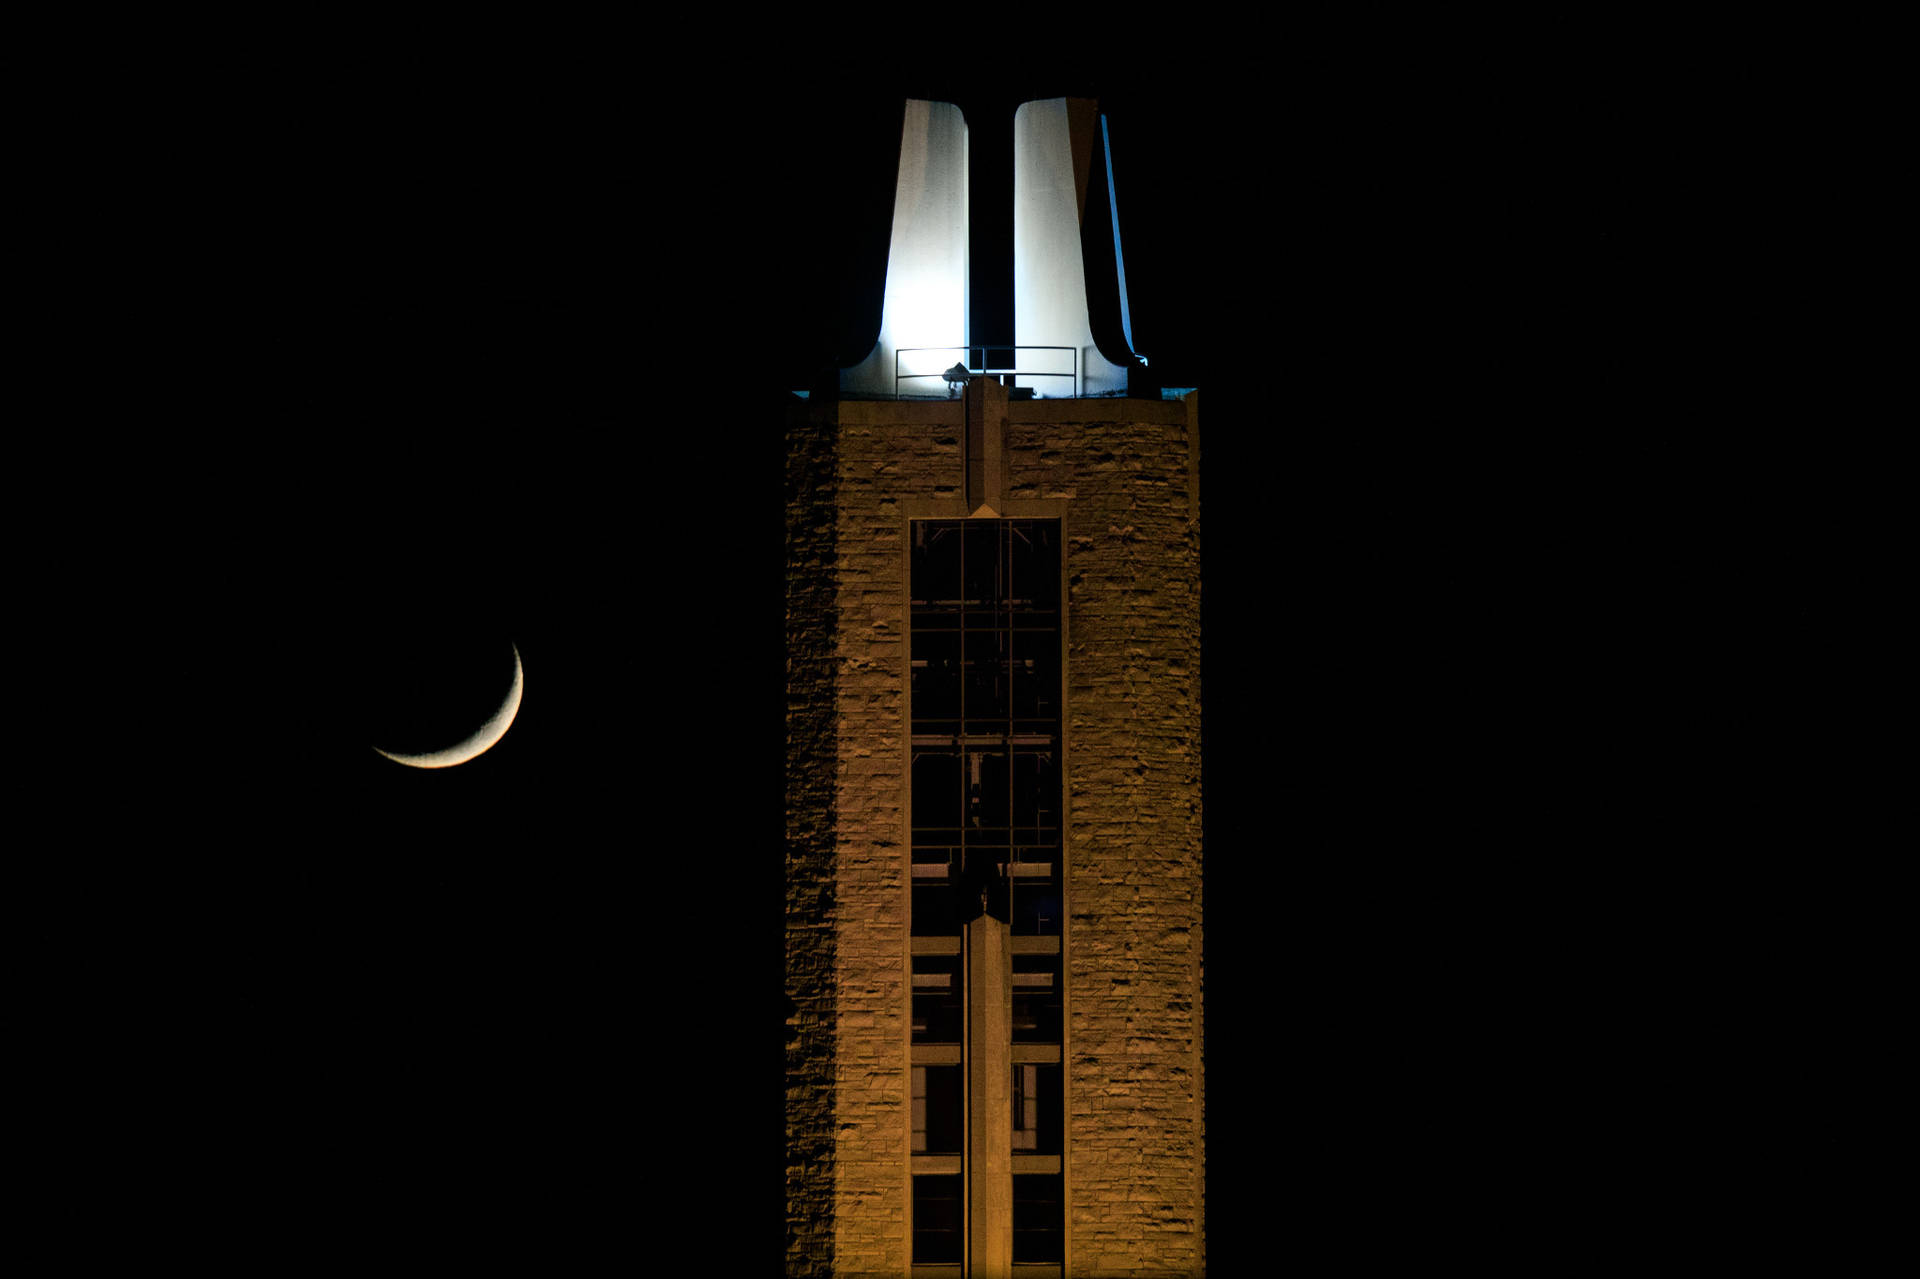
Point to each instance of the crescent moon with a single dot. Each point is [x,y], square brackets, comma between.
[481,740]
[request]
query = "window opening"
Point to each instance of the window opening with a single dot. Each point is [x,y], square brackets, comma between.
[986,778]
[1037,1218]
[984,663]
[937,1119]
[936,999]
[936,1219]
[1036,999]
[1037,1118]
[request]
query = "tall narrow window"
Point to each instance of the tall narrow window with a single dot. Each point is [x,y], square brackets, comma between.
[987,778]
[985,662]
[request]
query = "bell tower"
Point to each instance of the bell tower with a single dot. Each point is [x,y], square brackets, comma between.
[993,858]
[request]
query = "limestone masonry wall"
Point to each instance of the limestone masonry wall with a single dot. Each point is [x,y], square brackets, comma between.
[879,465]
[812,751]
[1133,840]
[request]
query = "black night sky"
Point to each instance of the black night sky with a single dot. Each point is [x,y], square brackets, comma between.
[526,349]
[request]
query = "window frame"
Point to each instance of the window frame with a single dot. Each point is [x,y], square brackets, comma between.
[1059,511]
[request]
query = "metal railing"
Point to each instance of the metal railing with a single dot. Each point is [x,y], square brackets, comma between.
[981,371]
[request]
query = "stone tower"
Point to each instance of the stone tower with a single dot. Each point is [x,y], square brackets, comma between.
[993,800]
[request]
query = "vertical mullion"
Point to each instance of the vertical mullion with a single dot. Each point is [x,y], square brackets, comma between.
[960,742]
[1006,538]
[1013,773]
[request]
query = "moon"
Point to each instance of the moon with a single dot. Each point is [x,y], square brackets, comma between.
[480,740]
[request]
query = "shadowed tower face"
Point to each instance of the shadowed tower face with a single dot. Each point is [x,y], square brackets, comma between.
[959,291]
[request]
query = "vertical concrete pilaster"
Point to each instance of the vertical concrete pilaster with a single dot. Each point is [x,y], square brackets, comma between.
[989,1106]
[986,428]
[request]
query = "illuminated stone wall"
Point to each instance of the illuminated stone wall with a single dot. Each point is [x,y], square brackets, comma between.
[1124,471]
[1135,1140]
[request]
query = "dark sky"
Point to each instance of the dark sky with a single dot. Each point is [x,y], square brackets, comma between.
[526,351]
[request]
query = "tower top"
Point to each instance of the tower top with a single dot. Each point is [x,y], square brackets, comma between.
[987,265]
